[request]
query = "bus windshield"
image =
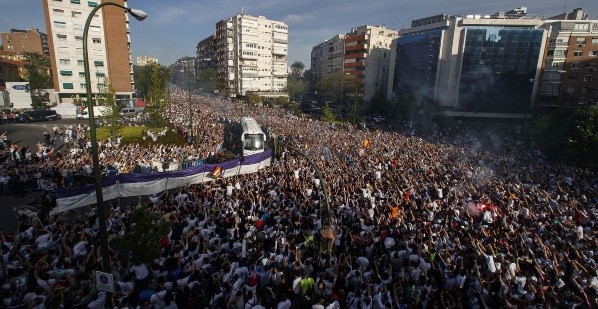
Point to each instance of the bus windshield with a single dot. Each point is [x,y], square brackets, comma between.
[253,141]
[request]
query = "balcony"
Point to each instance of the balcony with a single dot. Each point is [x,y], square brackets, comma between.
[279,52]
[355,64]
[281,40]
[356,47]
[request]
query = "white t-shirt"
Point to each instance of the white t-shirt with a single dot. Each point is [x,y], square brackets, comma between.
[140,271]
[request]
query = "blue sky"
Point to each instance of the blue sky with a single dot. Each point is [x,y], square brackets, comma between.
[174,27]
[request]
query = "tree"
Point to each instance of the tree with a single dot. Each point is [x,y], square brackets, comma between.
[155,77]
[337,86]
[141,240]
[297,70]
[254,98]
[39,80]
[569,135]
[207,80]
[327,114]
[296,88]
[108,99]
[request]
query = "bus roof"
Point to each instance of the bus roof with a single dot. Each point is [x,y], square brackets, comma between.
[250,126]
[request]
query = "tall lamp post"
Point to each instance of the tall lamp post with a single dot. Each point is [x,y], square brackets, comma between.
[139,15]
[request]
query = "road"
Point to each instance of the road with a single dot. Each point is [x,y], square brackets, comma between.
[25,134]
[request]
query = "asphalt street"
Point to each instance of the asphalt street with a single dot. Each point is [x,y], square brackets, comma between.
[25,134]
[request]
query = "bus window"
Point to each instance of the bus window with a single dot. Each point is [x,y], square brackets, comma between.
[253,142]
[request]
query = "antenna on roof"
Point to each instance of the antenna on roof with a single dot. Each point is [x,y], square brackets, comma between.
[243,12]
[565,8]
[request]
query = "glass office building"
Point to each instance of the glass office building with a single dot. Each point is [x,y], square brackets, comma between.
[498,69]
[416,62]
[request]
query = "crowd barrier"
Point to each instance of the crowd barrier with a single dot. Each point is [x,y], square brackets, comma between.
[127,185]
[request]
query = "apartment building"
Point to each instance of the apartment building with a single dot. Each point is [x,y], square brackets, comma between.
[26,40]
[109,48]
[145,60]
[569,74]
[367,56]
[470,65]
[328,57]
[249,54]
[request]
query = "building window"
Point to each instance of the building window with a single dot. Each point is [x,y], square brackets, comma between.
[66,72]
[594,53]
[557,64]
[580,42]
[80,63]
[78,27]
[588,78]
[582,26]
[81,74]
[78,38]
[94,28]
[76,14]
[64,61]
[560,52]
[82,86]
[61,37]
[91,3]
[573,77]
[570,89]
[58,12]
[96,40]
[98,63]
[594,40]
[67,85]
[575,65]
[76,1]
[63,50]
[59,24]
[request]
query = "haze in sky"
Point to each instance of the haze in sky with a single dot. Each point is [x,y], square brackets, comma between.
[174,27]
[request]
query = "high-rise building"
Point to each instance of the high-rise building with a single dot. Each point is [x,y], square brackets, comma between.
[145,60]
[367,56]
[363,52]
[109,48]
[249,54]
[328,57]
[569,74]
[473,65]
[23,41]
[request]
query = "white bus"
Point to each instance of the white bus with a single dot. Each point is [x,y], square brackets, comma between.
[245,137]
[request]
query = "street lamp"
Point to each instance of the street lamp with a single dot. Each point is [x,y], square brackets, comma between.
[139,15]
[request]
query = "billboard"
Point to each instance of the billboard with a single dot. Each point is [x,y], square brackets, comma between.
[20,98]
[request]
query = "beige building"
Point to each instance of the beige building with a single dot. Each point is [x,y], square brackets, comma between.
[367,56]
[145,60]
[569,72]
[328,57]
[109,48]
[23,41]
[249,54]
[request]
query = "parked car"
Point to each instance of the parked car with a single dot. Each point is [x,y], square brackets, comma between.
[39,115]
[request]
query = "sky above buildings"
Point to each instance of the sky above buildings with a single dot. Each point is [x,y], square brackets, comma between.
[174,27]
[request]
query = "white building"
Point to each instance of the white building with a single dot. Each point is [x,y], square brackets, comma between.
[145,60]
[108,48]
[250,55]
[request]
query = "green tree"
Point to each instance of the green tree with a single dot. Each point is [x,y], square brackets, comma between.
[296,88]
[141,240]
[297,70]
[37,67]
[569,135]
[254,98]
[327,114]
[337,86]
[207,80]
[108,99]
[156,76]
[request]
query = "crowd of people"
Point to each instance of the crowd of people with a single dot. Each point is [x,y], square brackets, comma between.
[440,219]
